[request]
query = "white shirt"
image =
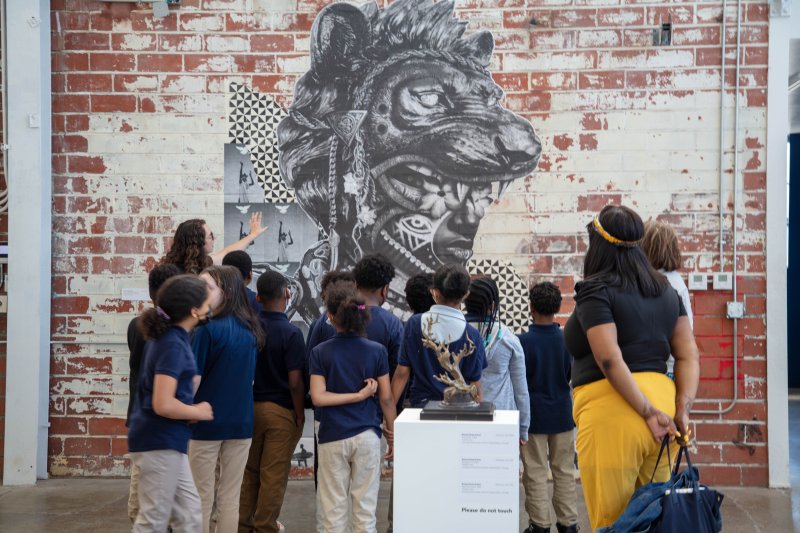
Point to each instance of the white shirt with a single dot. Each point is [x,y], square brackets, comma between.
[448,324]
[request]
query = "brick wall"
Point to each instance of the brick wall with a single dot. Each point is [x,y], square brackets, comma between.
[139,125]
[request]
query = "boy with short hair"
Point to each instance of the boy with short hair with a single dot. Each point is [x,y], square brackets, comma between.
[551,438]
[278,392]
[447,324]
[242,261]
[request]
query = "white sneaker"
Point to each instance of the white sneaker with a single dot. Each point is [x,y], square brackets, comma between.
[281,529]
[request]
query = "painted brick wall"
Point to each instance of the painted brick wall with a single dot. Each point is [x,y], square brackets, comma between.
[139,125]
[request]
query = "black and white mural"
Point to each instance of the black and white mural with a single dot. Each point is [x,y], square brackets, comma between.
[396,140]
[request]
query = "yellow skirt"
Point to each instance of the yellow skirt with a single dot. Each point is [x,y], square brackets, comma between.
[616,451]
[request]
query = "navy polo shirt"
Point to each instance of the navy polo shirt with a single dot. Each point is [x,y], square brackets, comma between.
[225,351]
[251,297]
[169,355]
[283,352]
[424,365]
[548,368]
[383,327]
[345,361]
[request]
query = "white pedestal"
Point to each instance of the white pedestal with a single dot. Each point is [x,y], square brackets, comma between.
[455,475]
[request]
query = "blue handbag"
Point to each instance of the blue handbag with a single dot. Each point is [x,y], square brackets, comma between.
[671,506]
[690,505]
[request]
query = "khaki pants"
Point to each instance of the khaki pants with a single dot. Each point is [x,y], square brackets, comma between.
[350,470]
[133,496]
[232,457]
[558,451]
[166,489]
[275,435]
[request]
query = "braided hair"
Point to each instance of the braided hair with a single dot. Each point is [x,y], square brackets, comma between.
[483,303]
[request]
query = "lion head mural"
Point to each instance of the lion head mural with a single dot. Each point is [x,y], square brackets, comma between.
[396,141]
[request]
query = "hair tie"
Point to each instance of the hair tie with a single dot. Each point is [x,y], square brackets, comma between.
[610,238]
[361,307]
[163,314]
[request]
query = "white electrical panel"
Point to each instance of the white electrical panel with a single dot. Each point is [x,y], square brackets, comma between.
[735,310]
[698,282]
[723,281]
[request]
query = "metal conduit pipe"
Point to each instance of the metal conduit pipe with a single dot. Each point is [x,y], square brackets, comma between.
[734,269]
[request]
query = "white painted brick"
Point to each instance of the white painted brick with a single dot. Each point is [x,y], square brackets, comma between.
[553,202]
[547,61]
[292,64]
[137,41]
[183,84]
[227,43]
[645,160]
[90,284]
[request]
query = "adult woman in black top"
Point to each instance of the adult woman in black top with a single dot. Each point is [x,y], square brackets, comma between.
[627,320]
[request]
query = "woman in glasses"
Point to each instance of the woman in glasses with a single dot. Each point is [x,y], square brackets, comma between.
[192,247]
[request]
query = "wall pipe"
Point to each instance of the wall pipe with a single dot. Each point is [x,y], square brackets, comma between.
[736,145]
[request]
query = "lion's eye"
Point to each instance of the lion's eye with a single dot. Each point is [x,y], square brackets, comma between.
[430,99]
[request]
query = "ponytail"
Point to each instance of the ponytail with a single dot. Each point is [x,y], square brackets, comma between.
[349,310]
[176,299]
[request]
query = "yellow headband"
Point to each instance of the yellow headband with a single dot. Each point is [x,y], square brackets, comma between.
[610,238]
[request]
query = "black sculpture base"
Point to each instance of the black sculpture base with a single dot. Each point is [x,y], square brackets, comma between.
[434,410]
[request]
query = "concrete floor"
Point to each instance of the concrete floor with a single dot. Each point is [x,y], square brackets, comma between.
[89,505]
[95,505]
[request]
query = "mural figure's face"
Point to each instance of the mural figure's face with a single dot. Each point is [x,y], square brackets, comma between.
[441,150]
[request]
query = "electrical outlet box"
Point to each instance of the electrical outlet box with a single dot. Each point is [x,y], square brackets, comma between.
[735,310]
[3,303]
[698,282]
[723,281]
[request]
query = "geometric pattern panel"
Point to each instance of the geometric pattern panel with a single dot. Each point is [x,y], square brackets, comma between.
[513,291]
[252,122]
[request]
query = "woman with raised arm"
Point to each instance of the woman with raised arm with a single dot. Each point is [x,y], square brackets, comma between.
[192,247]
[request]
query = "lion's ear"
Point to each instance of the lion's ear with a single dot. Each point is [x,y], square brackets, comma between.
[480,45]
[340,33]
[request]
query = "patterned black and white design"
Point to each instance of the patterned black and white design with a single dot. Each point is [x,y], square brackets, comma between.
[252,120]
[513,291]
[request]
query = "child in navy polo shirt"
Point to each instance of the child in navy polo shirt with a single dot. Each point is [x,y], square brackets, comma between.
[551,438]
[346,372]
[225,351]
[447,323]
[279,392]
[136,344]
[158,430]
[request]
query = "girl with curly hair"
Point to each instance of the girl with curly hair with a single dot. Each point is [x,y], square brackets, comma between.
[192,247]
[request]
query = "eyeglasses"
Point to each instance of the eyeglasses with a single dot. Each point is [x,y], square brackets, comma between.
[210,235]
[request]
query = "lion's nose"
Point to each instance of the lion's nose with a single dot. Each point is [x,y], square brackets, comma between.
[517,145]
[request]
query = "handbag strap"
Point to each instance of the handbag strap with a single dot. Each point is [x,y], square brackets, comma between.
[690,472]
[664,444]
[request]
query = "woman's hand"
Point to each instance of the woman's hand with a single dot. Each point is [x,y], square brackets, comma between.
[369,389]
[659,424]
[682,425]
[255,225]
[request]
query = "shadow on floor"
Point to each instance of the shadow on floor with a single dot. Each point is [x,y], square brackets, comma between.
[99,505]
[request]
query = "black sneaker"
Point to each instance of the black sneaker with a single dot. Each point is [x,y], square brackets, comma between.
[533,528]
[567,529]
